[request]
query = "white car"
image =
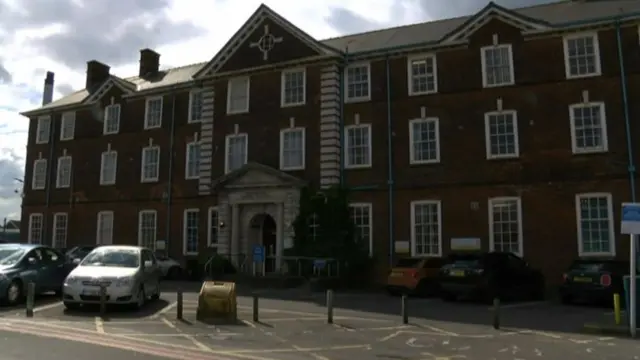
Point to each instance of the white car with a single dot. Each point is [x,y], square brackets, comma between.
[130,275]
[171,269]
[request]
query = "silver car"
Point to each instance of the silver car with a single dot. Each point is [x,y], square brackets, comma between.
[130,275]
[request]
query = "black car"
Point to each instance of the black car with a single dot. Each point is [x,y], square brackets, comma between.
[593,281]
[486,275]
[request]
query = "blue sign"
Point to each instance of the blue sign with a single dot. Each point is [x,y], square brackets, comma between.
[319,263]
[258,253]
[630,218]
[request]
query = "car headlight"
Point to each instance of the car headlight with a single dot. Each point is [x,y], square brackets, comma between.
[70,280]
[124,281]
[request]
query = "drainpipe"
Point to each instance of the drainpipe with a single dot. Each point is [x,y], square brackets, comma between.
[343,96]
[625,105]
[170,183]
[390,177]
[47,97]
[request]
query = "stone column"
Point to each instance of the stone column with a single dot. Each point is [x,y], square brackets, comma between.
[235,234]
[279,235]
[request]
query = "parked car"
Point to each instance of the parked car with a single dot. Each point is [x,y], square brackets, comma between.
[486,275]
[593,281]
[416,276]
[21,264]
[170,268]
[130,275]
[78,253]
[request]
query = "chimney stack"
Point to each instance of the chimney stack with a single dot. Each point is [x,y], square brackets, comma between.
[149,62]
[47,93]
[97,73]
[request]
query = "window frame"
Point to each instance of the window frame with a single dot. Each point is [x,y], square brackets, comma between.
[347,98]
[99,228]
[59,184]
[227,139]
[193,93]
[188,148]
[487,135]
[184,232]
[30,232]
[412,160]
[143,158]
[483,61]
[67,118]
[230,83]
[369,207]
[102,167]
[347,163]
[106,119]
[610,214]
[596,54]
[421,57]
[283,133]
[147,102]
[34,178]
[283,75]
[54,232]
[210,211]
[40,126]
[413,206]
[141,214]
[604,133]
[490,205]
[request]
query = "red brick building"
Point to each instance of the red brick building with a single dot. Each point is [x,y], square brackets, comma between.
[512,126]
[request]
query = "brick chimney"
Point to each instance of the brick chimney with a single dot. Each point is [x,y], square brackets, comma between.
[47,93]
[149,62]
[97,73]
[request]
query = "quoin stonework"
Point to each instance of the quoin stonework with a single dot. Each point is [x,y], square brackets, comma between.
[517,127]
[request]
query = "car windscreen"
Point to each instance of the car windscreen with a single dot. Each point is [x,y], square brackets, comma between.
[11,255]
[113,257]
[464,261]
[588,266]
[408,263]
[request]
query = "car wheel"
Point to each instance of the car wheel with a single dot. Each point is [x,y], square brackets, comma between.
[448,297]
[174,273]
[71,306]
[156,294]
[14,292]
[142,298]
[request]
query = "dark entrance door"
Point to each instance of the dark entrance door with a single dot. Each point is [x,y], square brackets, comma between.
[269,242]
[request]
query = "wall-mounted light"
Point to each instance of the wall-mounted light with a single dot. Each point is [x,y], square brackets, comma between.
[221,224]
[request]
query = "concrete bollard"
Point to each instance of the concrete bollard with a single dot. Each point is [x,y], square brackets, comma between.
[103,300]
[404,310]
[329,306]
[256,317]
[179,304]
[31,293]
[496,313]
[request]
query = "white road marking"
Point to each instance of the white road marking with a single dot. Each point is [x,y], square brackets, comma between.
[47,307]
[163,311]
[99,325]
[249,323]
[169,323]
[389,337]
[197,343]
[518,305]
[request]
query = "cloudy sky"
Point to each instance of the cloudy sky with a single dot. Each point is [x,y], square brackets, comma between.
[61,35]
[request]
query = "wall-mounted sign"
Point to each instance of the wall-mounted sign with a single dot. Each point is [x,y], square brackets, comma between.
[465,244]
[161,245]
[402,247]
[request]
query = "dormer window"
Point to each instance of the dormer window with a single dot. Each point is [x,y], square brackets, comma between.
[497,65]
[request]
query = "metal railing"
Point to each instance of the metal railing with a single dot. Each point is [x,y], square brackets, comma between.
[300,266]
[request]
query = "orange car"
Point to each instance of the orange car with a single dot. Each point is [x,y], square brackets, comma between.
[416,276]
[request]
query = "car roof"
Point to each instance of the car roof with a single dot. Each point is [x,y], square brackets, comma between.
[23,246]
[120,247]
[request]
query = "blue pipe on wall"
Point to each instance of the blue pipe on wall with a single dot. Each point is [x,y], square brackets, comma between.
[390,177]
[625,105]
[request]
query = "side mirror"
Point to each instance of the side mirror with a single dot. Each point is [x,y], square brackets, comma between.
[32,260]
[76,261]
[148,263]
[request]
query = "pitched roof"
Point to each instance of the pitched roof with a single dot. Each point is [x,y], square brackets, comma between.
[554,15]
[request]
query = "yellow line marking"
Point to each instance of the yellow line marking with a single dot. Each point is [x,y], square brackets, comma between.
[47,307]
[195,342]
[99,325]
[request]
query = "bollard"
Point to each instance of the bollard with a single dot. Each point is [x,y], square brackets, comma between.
[103,300]
[404,311]
[255,308]
[616,308]
[179,305]
[31,293]
[329,306]
[496,313]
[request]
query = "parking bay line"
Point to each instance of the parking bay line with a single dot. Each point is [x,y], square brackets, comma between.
[47,307]
[518,305]
[197,343]
[99,325]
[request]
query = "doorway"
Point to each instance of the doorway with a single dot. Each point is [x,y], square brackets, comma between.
[266,236]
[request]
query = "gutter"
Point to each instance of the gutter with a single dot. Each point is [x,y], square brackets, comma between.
[49,180]
[343,96]
[390,174]
[172,134]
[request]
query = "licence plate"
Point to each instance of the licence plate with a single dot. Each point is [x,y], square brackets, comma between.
[396,274]
[91,292]
[582,279]
[458,273]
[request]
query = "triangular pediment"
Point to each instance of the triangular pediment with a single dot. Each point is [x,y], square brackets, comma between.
[125,86]
[488,13]
[255,175]
[265,39]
